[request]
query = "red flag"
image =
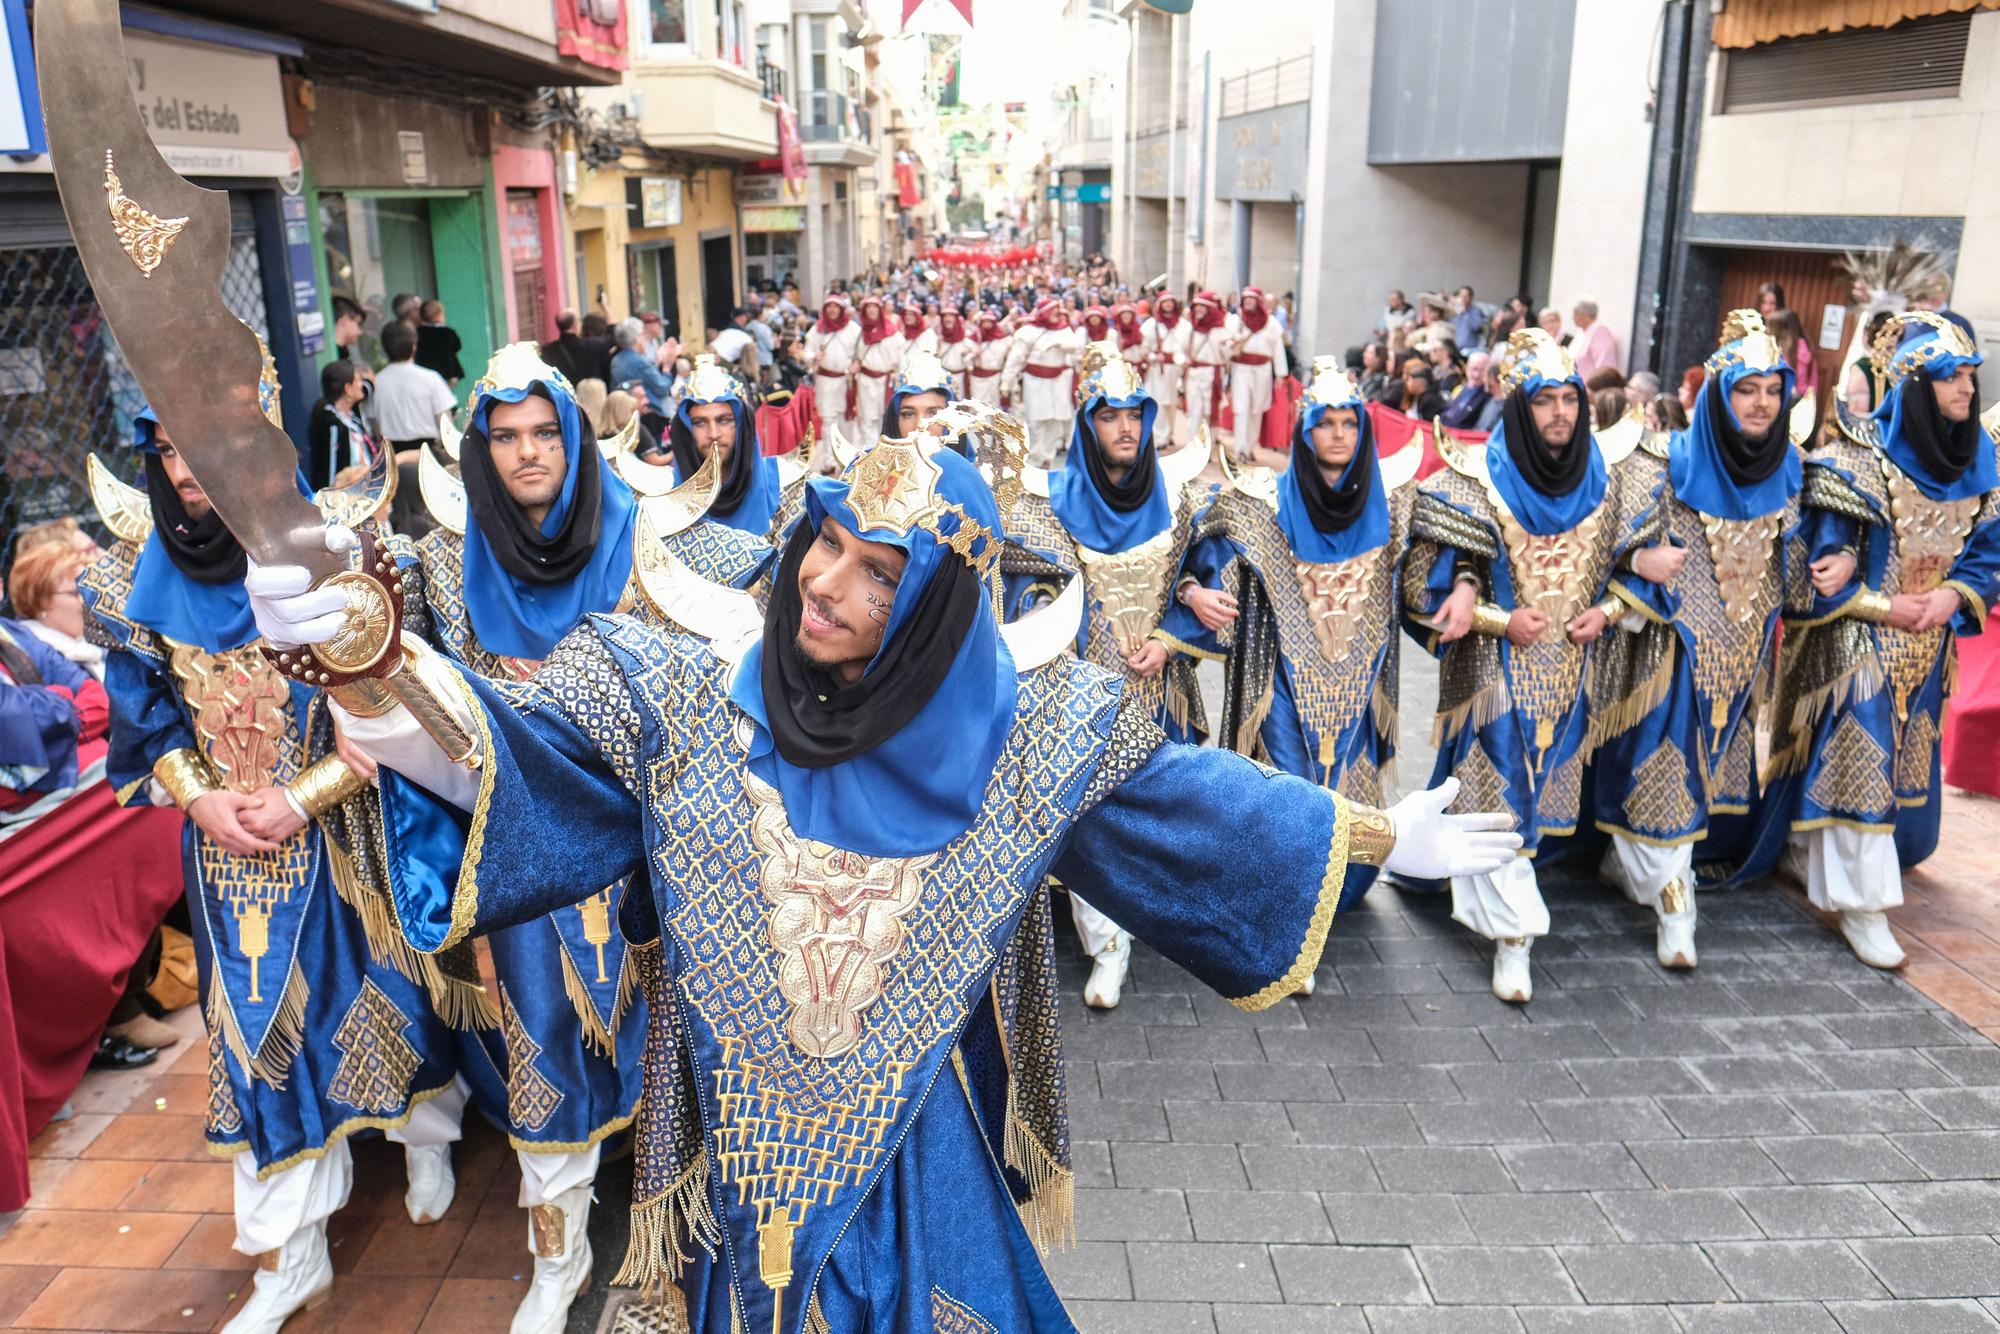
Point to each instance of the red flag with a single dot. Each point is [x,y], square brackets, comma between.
[910,7]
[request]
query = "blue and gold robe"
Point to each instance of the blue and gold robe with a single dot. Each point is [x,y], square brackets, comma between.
[1674,705]
[1860,704]
[833,1136]
[322,1021]
[1512,723]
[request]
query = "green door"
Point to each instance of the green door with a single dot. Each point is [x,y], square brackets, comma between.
[458,240]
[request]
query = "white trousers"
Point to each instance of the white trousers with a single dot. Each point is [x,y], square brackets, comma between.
[1642,870]
[830,399]
[544,1176]
[1249,400]
[871,396]
[1097,932]
[1502,906]
[1850,870]
[986,389]
[1047,438]
[1200,395]
[271,1212]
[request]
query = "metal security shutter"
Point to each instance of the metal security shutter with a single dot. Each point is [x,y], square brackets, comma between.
[1925,58]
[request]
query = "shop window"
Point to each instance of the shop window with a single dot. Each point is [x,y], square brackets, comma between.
[377,249]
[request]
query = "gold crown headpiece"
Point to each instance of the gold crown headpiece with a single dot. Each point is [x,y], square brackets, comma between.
[894,486]
[1745,342]
[710,383]
[516,366]
[1529,356]
[921,373]
[1894,359]
[1106,372]
[1332,384]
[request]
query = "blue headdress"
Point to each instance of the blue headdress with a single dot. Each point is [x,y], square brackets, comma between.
[516,616]
[921,373]
[1103,515]
[1529,363]
[920,787]
[748,495]
[1353,513]
[1697,461]
[1921,340]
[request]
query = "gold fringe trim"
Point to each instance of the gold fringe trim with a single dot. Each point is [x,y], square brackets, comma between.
[1612,722]
[1488,706]
[1253,722]
[1382,705]
[1863,681]
[1049,1212]
[816,1318]
[663,1226]
[461,1003]
[595,1035]
[1318,924]
[272,1062]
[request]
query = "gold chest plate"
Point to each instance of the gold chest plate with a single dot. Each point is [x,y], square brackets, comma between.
[242,708]
[1930,534]
[1335,597]
[1740,550]
[1554,573]
[1130,586]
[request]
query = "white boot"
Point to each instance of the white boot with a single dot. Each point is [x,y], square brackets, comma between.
[298,1276]
[1675,942]
[1312,981]
[1612,872]
[432,1184]
[1510,969]
[1874,943]
[1107,974]
[558,1238]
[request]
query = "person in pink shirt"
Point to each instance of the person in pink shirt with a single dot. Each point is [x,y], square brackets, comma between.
[1594,347]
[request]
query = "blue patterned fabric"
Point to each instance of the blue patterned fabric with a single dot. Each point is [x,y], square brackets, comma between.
[904,1206]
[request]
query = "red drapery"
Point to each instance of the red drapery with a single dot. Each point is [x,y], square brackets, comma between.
[81,890]
[1972,723]
[592,42]
[780,429]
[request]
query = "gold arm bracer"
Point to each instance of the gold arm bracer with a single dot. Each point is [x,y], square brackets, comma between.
[324,784]
[1371,835]
[1869,605]
[1488,619]
[185,775]
[1613,607]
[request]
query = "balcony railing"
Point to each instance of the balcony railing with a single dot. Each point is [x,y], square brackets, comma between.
[1267,86]
[831,116]
[774,78]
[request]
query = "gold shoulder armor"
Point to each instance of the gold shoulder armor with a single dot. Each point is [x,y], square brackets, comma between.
[125,509]
[1258,483]
[443,492]
[1463,459]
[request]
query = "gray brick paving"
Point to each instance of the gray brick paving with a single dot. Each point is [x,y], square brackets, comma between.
[1785,1140]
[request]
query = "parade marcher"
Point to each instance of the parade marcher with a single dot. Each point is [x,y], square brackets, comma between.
[856,1119]
[833,346]
[1166,333]
[1512,550]
[1311,683]
[1096,323]
[1130,336]
[1140,532]
[545,533]
[1674,703]
[1208,354]
[1039,372]
[1256,345]
[880,353]
[716,414]
[1903,538]
[989,359]
[321,1020]
[920,391]
[916,330]
[956,349]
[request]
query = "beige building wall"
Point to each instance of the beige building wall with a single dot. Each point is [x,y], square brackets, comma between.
[597,216]
[1929,157]
[1607,146]
[1369,229]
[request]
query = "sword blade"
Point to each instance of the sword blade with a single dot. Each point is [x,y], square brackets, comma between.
[159,286]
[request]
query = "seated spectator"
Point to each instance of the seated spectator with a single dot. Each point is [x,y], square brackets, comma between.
[1641,388]
[792,371]
[42,586]
[1607,406]
[1444,359]
[591,396]
[1374,382]
[48,706]
[1419,396]
[1796,349]
[1475,407]
[623,404]
[1605,377]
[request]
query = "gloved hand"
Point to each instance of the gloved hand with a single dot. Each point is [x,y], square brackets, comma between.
[288,610]
[1431,845]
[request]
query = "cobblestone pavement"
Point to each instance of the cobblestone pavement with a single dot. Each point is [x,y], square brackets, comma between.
[1784,1139]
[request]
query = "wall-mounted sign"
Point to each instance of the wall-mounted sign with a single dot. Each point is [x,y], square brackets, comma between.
[767,188]
[774,218]
[20,103]
[1081,194]
[1262,155]
[416,161]
[659,201]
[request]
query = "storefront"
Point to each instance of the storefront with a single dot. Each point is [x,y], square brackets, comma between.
[214,101]
[647,239]
[404,203]
[771,217]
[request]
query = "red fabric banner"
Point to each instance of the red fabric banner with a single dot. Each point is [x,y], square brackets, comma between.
[780,429]
[81,890]
[588,38]
[1972,723]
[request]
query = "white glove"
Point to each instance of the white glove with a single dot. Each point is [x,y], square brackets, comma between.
[1431,845]
[289,611]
